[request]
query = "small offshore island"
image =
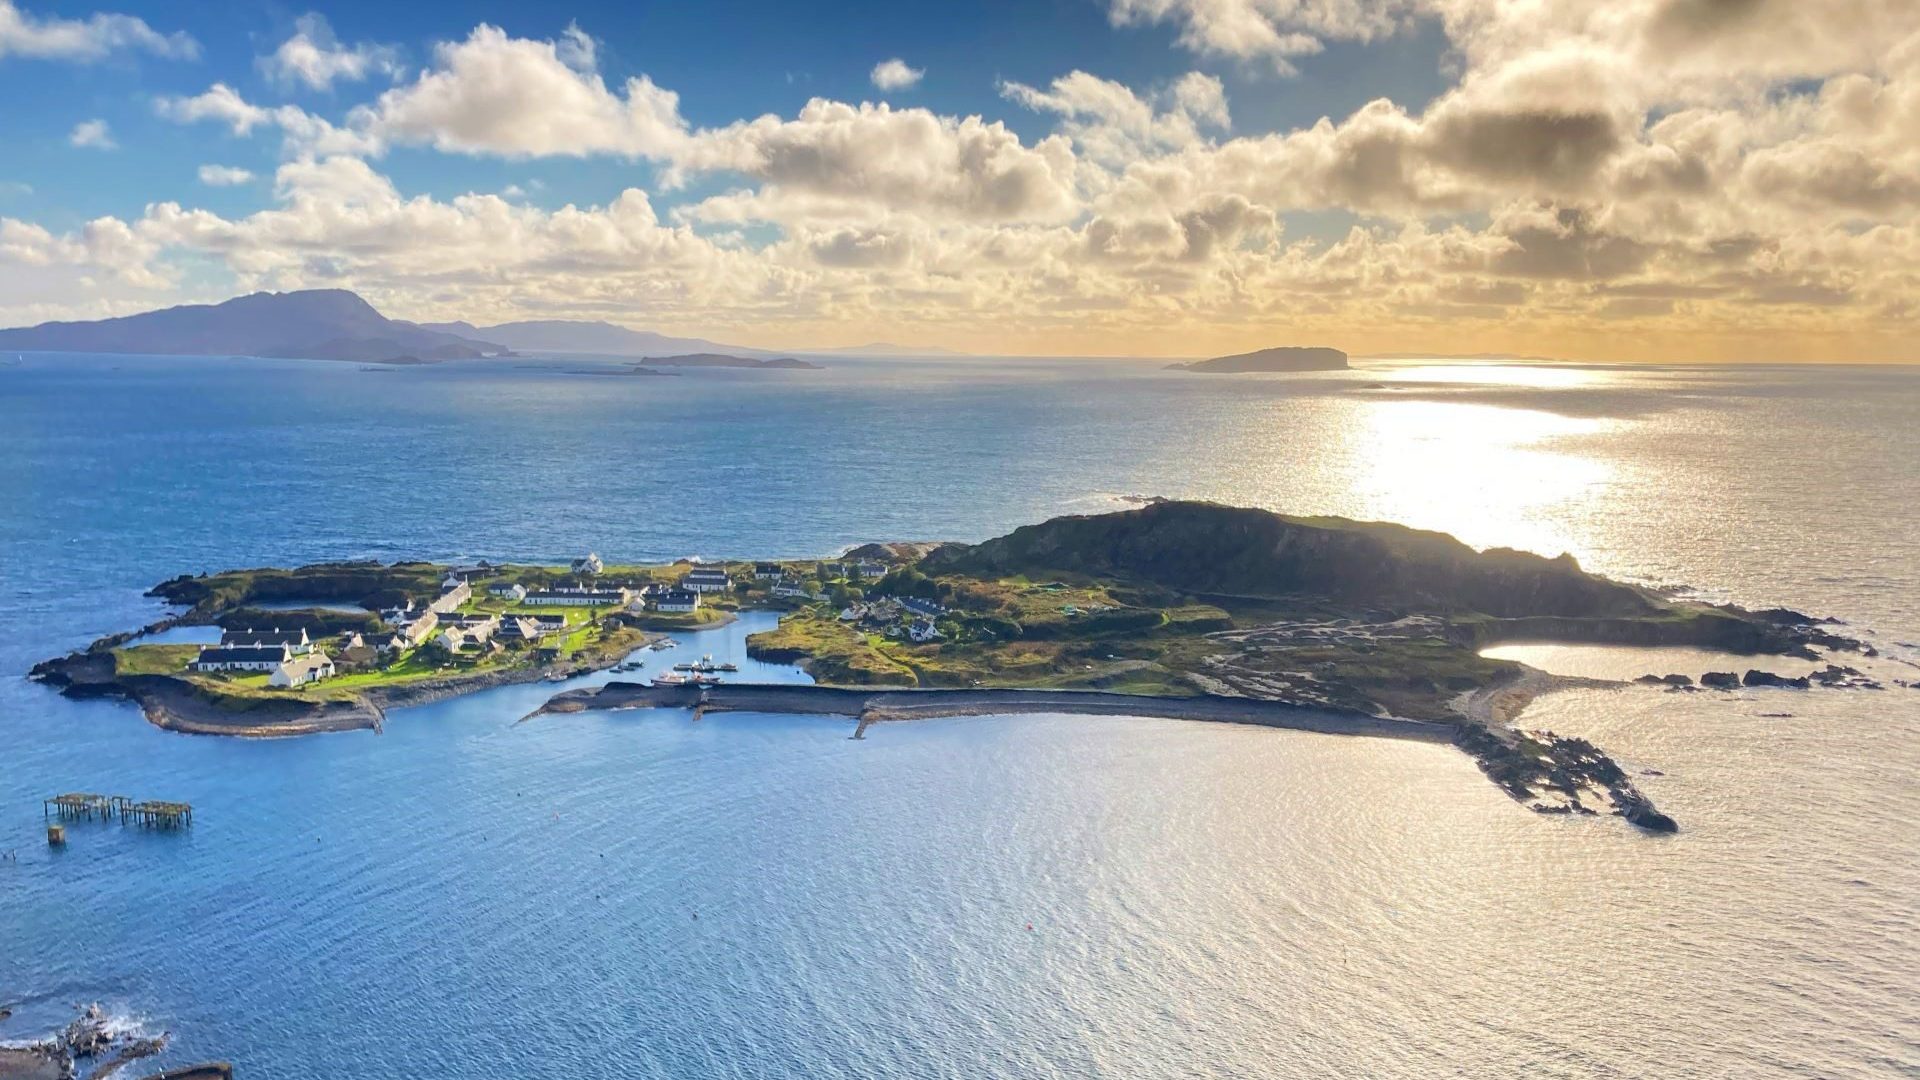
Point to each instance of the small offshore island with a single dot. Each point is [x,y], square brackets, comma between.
[1279,358]
[1176,609]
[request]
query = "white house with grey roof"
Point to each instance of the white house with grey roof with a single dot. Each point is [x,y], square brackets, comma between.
[579,596]
[705,579]
[301,670]
[241,657]
[676,600]
[294,640]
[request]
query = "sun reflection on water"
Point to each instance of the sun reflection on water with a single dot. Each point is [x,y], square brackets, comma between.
[1489,475]
[1535,376]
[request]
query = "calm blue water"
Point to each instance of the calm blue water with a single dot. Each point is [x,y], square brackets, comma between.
[466,896]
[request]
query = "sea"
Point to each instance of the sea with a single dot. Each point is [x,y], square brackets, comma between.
[638,894]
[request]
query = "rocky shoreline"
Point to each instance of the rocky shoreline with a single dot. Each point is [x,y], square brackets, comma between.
[177,705]
[884,705]
[93,1039]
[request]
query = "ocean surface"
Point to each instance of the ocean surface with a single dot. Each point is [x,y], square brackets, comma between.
[638,895]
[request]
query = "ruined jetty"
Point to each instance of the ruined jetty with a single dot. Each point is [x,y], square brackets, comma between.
[87,806]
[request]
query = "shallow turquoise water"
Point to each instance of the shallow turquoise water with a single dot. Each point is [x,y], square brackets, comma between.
[465,896]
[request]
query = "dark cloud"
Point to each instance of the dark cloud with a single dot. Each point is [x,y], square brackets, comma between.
[1570,247]
[1807,293]
[1559,149]
[1219,223]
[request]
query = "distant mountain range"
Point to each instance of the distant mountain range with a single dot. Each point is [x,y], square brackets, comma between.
[884,348]
[318,324]
[334,324]
[597,338]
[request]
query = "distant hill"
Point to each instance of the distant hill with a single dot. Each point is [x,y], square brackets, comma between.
[886,348]
[1283,358]
[315,324]
[721,360]
[1212,549]
[598,338]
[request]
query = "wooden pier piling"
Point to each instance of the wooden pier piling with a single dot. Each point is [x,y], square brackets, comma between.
[86,806]
[56,836]
[76,805]
[156,814]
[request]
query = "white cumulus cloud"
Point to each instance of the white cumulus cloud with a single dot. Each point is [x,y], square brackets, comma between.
[92,134]
[224,175]
[521,97]
[49,37]
[315,58]
[305,133]
[894,74]
[1275,30]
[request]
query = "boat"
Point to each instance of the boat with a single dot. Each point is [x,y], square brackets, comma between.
[671,679]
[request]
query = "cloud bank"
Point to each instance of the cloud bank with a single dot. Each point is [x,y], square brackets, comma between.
[1648,179]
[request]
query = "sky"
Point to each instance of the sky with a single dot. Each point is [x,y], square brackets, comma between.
[1634,180]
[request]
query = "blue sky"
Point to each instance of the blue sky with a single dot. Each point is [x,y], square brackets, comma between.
[1635,180]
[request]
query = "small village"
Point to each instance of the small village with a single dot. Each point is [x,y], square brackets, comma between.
[491,613]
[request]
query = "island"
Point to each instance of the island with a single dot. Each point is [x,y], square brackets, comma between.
[629,370]
[1185,610]
[722,360]
[1281,358]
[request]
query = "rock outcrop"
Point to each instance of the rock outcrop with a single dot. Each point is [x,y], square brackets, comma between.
[1205,548]
[91,1037]
[1756,677]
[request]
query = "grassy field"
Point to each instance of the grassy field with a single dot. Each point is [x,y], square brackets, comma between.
[1079,634]
[834,651]
[153,659]
[838,653]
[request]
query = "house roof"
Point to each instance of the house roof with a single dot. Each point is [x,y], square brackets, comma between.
[242,654]
[276,636]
